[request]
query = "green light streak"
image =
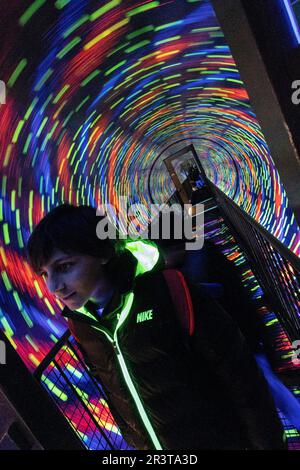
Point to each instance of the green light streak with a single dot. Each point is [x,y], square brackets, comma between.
[117,102]
[9,332]
[124,113]
[81,393]
[49,306]
[25,149]
[17,131]
[81,104]
[43,80]
[112,69]
[234,81]
[95,120]
[37,288]
[172,85]
[65,122]
[164,41]
[75,26]
[17,300]
[218,56]
[226,69]
[171,65]
[272,322]
[20,239]
[129,77]
[60,4]
[55,390]
[32,343]
[74,372]
[137,46]
[20,180]
[13,200]
[140,31]
[118,49]
[54,339]
[200,30]
[47,101]
[142,8]
[27,15]
[54,127]
[172,76]
[6,234]
[6,281]
[40,129]
[217,34]
[16,73]
[151,83]
[287,356]
[68,47]
[211,72]
[61,93]
[41,184]
[168,25]
[56,184]
[90,77]
[30,109]
[101,11]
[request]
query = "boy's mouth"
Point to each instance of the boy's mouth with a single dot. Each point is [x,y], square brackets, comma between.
[69,296]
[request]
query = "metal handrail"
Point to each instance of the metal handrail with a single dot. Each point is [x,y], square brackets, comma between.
[270,260]
[277,244]
[51,355]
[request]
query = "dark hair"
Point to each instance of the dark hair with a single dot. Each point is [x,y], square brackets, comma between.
[70,229]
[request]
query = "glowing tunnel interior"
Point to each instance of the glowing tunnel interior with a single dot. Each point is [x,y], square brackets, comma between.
[95,94]
[98,93]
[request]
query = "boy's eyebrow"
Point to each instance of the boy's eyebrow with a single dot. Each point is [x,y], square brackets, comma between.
[55,261]
[63,258]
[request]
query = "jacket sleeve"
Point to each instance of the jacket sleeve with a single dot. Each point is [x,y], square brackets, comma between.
[218,340]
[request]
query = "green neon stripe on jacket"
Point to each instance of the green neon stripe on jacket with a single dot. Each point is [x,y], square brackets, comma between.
[84,311]
[125,311]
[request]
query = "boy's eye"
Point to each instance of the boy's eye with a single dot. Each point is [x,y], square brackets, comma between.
[59,268]
[64,267]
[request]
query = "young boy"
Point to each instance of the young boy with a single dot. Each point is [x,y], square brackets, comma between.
[172,381]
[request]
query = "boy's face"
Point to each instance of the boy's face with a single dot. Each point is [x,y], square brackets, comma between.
[75,278]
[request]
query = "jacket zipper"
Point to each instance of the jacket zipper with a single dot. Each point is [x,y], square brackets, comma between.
[126,375]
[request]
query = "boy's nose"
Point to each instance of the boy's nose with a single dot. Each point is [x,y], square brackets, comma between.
[55,285]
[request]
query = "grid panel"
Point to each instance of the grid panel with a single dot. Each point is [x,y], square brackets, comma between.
[81,400]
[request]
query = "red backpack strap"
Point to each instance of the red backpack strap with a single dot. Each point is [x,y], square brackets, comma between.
[181,297]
